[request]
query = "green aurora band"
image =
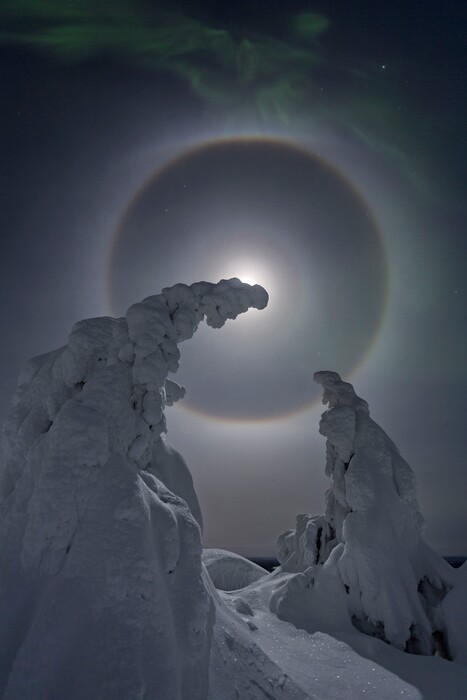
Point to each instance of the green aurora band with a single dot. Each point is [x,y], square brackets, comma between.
[222,66]
[275,79]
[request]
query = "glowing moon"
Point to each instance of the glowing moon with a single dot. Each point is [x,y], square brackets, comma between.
[248,278]
[251,271]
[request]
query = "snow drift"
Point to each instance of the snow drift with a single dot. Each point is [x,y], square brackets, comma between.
[100,547]
[229,571]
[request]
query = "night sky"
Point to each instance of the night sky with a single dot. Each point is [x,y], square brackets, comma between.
[318,149]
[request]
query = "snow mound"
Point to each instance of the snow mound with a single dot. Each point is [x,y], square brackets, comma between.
[229,571]
[367,548]
[101,577]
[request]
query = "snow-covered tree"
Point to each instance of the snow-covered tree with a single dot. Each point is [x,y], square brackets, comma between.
[101,579]
[368,547]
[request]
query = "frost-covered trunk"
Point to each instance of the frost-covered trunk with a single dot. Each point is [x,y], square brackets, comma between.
[101,578]
[368,547]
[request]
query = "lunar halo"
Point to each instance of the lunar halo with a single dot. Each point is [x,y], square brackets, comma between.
[268,210]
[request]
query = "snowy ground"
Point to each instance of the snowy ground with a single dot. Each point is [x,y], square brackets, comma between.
[282,661]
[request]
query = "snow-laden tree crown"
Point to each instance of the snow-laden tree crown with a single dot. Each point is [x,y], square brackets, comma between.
[110,381]
[101,579]
[367,548]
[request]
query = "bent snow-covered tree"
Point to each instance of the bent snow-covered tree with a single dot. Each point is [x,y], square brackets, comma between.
[367,548]
[100,556]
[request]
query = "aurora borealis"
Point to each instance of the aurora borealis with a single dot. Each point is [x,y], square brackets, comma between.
[321,149]
[230,60]
[223,65]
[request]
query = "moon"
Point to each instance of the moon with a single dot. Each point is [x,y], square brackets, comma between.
[248,278]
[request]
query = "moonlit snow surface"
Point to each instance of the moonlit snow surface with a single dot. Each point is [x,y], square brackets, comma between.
[103,587]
